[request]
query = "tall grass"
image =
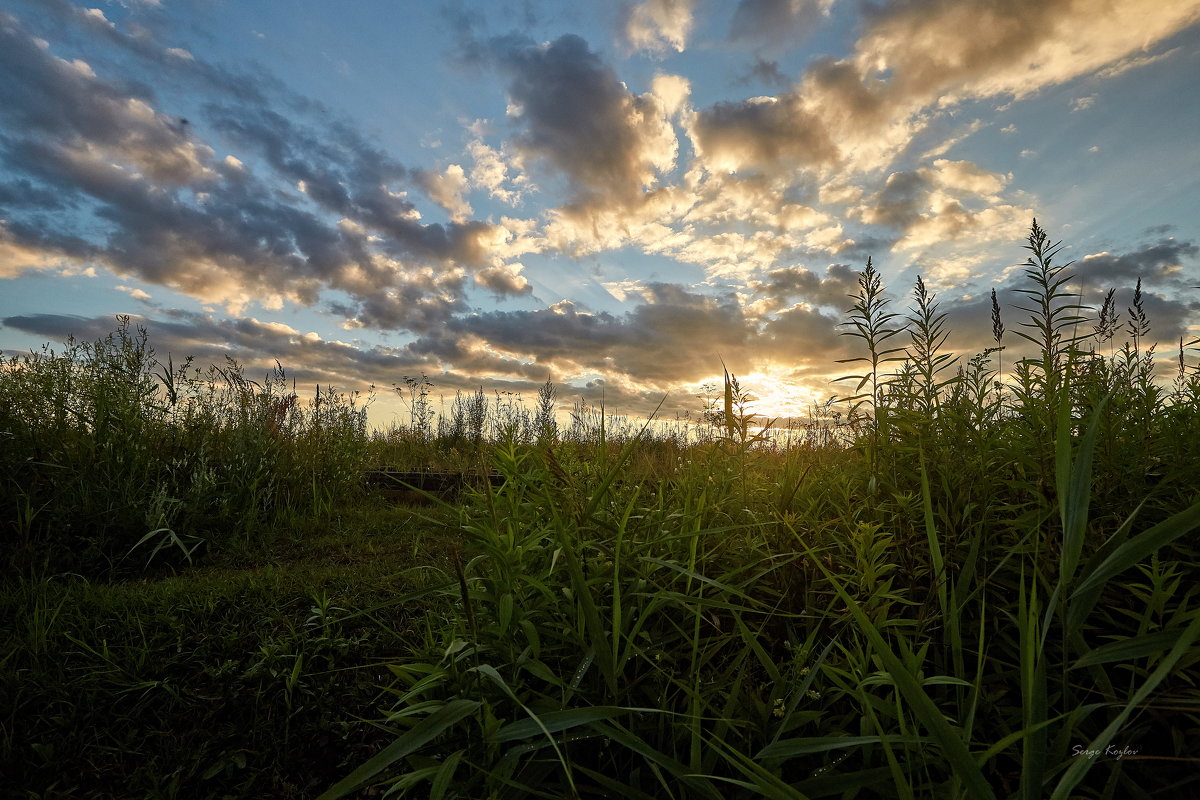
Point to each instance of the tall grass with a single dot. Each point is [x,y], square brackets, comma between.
[111,457]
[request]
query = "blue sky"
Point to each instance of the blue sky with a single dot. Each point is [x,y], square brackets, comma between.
[621,196]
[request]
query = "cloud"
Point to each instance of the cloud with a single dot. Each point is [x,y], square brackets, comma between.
[915,60]
[782,286]
[761,133]
[947,202]
[1158,264]
[775,22]
[48,96]
[256,344]
[136,294]
[575,116]
[658,25]
[764,71]
[976,48]
[490,171]
[1134,62]
[23,250]
[688,330]
[308,207]
[447,189]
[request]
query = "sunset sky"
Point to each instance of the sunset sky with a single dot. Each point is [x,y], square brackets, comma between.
[621,196]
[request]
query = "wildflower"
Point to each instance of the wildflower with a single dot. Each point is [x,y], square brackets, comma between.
[778,711]
[814,694]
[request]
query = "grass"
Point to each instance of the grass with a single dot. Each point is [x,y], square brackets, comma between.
[964,583]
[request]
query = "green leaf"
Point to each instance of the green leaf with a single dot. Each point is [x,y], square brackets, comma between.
[1130,649]
[555,721]
[791,748]
[1138,548]
[445,774]
[422,734]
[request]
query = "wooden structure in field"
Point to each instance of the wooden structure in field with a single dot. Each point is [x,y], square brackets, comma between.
[407,486]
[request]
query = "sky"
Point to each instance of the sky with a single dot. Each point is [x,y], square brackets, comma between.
[622,197]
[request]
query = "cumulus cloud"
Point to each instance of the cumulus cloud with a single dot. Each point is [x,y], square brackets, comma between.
[577,117]
[322,210]
[947,202]
[782,286]
[491,172]
[658,25]
[448,188]
[136,294]
[1160,264]
[761,133]
[1013,48]
[915,59]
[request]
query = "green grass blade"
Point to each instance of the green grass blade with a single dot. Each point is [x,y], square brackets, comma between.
[424,732]
[1074,483]
[1080,766]
[1136,549]
[445,774]
[1130,649]
[555,721]
[791,748]
[847,784]
[955,750]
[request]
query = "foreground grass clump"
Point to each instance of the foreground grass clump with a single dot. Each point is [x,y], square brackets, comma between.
[232,680]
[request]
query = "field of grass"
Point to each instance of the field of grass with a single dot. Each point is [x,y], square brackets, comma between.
[979,579]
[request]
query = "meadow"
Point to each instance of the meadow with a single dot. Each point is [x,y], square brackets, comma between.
[975,578]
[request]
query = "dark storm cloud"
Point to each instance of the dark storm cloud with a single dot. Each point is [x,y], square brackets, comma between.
[579,118]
